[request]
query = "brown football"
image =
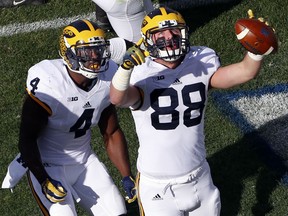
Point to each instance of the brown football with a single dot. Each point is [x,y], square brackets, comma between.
[256,36]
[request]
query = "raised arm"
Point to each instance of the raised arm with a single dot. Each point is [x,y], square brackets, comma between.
[121,92]
[235,74]
[259,39]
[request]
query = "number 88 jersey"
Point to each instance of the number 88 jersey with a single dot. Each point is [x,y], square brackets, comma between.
[170,124]
[73,111]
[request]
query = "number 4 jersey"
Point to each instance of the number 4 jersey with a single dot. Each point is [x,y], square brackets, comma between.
[170,124]
[73,111]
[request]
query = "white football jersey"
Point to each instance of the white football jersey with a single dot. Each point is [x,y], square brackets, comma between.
[170,124]
[66,139]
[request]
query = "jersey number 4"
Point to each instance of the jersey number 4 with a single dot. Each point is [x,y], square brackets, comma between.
[188,119]
[82,124]
[86,120]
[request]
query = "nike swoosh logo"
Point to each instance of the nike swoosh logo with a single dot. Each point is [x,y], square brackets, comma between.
[18,2]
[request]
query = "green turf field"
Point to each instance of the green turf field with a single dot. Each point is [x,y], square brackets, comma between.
[238,121]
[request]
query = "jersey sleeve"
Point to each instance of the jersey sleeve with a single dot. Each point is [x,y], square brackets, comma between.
[118,49]
[40,84]
[207,56]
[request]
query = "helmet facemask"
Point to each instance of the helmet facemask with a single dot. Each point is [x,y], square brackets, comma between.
[92,58]
[159,20]
[168,50]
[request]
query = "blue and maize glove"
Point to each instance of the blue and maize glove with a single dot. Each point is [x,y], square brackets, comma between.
[129,188]
[53,190]
[133,56]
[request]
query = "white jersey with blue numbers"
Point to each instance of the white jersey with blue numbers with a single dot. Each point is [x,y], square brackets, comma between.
[66,139]
[170,124]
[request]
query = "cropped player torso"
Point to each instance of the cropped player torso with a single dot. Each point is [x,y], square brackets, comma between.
[66,139]
[170,122]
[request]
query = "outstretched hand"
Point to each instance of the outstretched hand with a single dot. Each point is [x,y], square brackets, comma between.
[261,19]
[256,36]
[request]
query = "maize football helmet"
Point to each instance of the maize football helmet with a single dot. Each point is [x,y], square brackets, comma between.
[161,19]
[84,48]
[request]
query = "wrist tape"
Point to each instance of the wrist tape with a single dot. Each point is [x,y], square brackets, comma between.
[255,57]
[121,79]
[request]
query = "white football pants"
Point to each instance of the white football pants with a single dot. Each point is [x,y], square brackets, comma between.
[88,183]
[126,16]
[193,194]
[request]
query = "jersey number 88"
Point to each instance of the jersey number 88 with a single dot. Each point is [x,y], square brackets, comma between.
[188,119]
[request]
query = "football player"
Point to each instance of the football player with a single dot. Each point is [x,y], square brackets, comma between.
[167,93]
[66,98]
[124,16]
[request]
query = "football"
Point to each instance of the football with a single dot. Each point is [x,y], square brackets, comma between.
[256,37]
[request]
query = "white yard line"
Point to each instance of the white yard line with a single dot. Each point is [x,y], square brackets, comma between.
[17,28]
[259,110]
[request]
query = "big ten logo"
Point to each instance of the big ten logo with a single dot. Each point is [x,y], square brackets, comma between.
[69,99]
[162,77]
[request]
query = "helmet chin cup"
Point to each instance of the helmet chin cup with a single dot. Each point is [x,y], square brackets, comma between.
[86,72]
[90,73]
